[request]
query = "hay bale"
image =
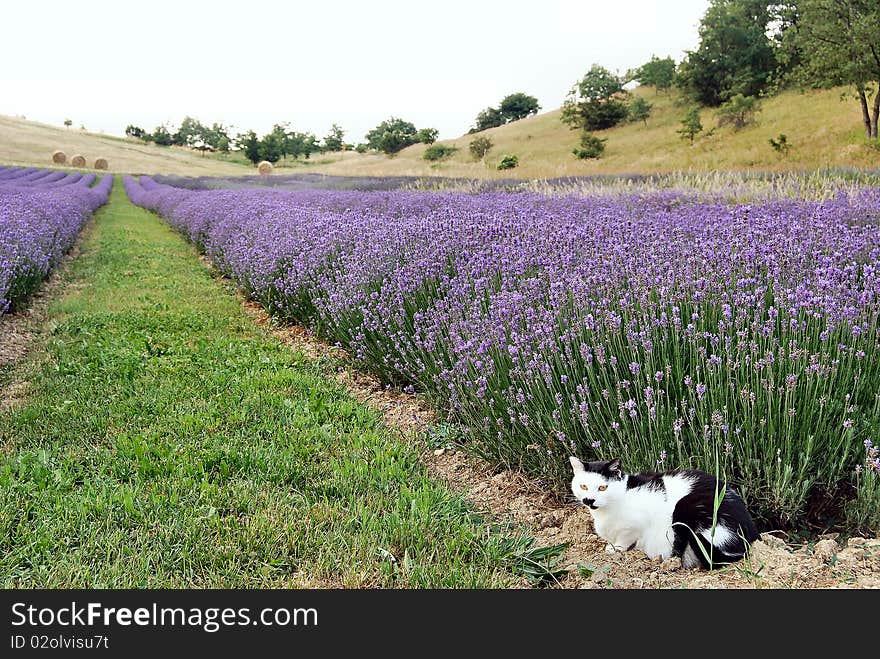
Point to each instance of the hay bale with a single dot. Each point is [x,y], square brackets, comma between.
[265,168]
[78,161]
[101,163]
[59,157]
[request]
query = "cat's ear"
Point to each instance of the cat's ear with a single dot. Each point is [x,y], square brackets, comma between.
[576,464]
[614,468]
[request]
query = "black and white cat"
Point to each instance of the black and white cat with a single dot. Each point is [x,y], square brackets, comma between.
[668,514]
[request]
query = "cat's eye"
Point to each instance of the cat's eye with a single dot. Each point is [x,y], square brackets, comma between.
[602,488]
[583,487]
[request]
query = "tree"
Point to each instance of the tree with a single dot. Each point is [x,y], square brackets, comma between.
[739,110]
[658,73]
[162,136]
[427,135]
[135,131]
[488,118]
[68,123]
[190,131]
[308,144]
[271,147]
[691,124]
[513,107]
[838,43]
[479,147]
[639,109]
[595,102]
[217,136]
[279,142]
[518,106]
[392,135]
[250,144]
[335,139]
[735,55]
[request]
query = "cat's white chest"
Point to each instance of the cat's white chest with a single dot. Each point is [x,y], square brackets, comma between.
[642,520]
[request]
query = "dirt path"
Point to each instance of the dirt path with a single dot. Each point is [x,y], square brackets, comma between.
[508,495]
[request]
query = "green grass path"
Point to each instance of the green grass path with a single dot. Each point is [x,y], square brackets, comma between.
[167,441]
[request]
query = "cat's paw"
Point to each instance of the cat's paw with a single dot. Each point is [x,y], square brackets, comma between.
[610,549]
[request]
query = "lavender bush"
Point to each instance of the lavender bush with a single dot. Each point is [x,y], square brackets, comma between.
[41,213]
[653,327]
[709,186]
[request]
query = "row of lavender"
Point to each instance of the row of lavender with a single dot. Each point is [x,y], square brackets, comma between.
[41,213]
[663,330]
[709,186]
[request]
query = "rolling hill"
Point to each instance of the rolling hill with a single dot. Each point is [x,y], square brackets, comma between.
[30,143]
[824,131]
[823,127]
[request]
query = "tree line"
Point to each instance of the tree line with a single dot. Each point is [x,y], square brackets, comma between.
[280,142]
[748,50]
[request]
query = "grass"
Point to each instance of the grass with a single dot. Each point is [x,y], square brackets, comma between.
[823,127]
[824,131]
[167,441]
[29,143]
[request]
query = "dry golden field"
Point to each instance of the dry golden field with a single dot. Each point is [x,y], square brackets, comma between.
[823,127]
[31,143]
[824,131]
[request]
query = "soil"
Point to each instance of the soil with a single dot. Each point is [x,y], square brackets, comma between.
[823,562]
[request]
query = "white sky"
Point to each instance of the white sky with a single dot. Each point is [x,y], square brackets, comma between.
[251,64]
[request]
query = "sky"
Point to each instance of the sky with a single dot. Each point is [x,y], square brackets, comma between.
[252,64]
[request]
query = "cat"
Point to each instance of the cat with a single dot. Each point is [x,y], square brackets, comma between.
[664,514]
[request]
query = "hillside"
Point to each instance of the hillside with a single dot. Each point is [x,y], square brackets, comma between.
[30,143]
[823,130]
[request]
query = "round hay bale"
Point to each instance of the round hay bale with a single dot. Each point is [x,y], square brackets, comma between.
[78,161]
[101,163]
[265,168]
[59,157]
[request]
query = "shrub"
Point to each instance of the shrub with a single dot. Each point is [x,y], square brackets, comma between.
[479,147]
[361,148]
[508,162]
[439,152]
[427,135]
[392,135]
[591,147]
[639,109]
[740,111]
[691,124]
[781,145]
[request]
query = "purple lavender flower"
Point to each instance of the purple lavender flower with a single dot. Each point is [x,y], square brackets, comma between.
[41,213]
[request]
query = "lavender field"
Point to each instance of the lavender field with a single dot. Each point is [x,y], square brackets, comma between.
[41,213]
[667,328]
